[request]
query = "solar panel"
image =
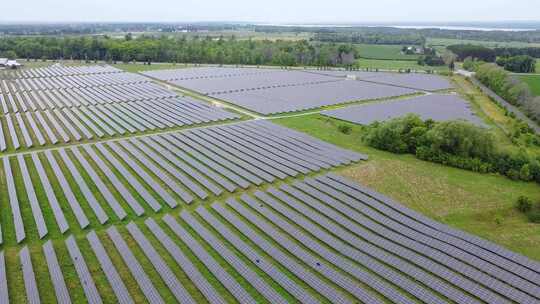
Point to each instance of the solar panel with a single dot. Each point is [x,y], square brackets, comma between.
[224,277]
[144,282]
[159,264]
[253,278]
[68,192]
[87,282]
[30,285]
[118,286]
[57,278]
[32,198]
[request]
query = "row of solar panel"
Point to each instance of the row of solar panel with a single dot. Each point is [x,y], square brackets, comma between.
[176,167]
[207,73]
[51,99]
[66,82]
[319,231]
[60,70]
[31,129]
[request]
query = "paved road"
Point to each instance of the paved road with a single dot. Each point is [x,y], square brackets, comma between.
[511,108]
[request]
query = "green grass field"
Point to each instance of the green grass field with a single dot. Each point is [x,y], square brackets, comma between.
[139,67]
[533,81]
[396,65]
[482,204]
[386,52]
[446,42]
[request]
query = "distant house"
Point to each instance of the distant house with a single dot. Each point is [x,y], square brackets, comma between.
[10,64]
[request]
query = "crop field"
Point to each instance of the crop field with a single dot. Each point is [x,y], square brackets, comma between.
[533,81]
[437,107]
[273,91]
[396,65]
[443,42]
[384,52]
[139,195]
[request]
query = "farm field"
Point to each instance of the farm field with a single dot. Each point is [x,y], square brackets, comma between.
[533,81]
[384,52]
[194,203]
[446,42]
[394,65]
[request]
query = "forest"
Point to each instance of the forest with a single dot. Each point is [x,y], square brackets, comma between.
[167,49]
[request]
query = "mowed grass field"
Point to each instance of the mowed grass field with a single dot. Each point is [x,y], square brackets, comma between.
[533,81]
[395,65]
[482,204]
[385,52]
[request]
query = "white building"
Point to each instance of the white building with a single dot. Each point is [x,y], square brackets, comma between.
[10,64]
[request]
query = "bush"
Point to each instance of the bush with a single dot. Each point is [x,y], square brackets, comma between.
[461,139]
[524,204]
[518,64]
[345,129]
[534,215]
[525,173]
[400,135]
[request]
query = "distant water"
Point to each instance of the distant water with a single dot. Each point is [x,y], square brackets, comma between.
[463,28]
[412,26]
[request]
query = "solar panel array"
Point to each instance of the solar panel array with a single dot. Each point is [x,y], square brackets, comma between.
[310,96]
[61,70]
[323,238]
[161,170]
[62,109]
[272,91]
[434,106]
[418,81]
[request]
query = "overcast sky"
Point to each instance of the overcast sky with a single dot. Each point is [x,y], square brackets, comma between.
[282,11]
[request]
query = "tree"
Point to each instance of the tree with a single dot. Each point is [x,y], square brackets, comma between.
[9,55]
[518,64]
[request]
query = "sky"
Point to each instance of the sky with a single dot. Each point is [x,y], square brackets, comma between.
[274,11]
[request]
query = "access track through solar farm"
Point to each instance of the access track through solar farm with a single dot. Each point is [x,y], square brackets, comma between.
[272,91]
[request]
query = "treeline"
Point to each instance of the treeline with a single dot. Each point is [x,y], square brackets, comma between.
[194,50]
[529,51]
[368,37]
[453,143]
[510,59]
[509,88]
[100,28]
[477,52]
[518,64]
[498,36]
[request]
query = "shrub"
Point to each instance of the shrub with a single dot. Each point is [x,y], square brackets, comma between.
[345,129]
[524,204]
[400,135]
[453,143]
[534,215]
[525,173]
[460,138]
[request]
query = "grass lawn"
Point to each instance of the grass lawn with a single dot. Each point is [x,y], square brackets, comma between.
[449,41]
[381,51]
[533,81]
[395,65]
[482,204]
[139,67]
